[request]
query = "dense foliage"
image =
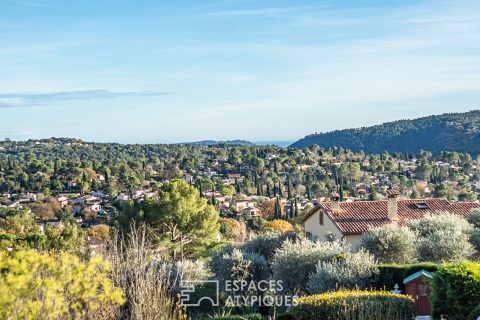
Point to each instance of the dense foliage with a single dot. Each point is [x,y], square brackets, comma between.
[391,274]
[390,243]
[353,270]
[54,166]
[354,305]
[451,131]
[300,259]
[40,286]
[456,290]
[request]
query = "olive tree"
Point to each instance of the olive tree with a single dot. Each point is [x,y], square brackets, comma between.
[390,243]
[294,261]
[349,271]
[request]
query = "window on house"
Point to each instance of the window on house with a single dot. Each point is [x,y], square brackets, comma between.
[309,235]
[321,218]
[422,205]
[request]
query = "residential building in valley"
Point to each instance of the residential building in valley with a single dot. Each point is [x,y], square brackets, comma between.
[349,220]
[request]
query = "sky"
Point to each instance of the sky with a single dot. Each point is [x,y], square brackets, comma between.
[158,71]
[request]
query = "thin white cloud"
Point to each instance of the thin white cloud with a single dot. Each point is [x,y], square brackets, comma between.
[256,12]
[30,99]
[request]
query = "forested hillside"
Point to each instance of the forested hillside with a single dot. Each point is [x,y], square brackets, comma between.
[451,131]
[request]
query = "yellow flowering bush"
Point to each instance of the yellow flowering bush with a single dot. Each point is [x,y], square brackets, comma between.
[42,286]
[277,225]
[354,305]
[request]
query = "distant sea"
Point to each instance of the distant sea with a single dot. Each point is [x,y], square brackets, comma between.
[276,143]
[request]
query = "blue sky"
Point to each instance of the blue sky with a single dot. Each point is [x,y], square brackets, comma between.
[166,71]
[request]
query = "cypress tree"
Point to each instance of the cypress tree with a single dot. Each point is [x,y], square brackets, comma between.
[237,186]
[296,209]
[275,210]
[289,189]
[309,192]
[341,192]
[268,191]
[279,209]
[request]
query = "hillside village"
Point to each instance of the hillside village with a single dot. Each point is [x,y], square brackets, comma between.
[271,212]
[240,181]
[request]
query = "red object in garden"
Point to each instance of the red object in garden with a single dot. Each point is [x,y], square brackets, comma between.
[417,287]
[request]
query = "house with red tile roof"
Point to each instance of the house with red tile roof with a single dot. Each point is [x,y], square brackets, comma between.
[349,220]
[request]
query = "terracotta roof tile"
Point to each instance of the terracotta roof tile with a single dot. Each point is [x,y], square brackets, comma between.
[357,217]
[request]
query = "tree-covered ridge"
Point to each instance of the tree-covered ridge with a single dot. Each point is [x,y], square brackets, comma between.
[215,142]
[54,166]
[450,131]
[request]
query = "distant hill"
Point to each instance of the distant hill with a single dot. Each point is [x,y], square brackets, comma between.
[450,132]
[214,142]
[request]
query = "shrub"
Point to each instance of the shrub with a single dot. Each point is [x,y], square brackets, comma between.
[391,274]
[475,239]
[443,238]
[257,223]
[233,229]
[354,305]
[233,264]
[474,217]
[187,270]
[147,288]
[445,246]
[390,243]
[442,221]
[475,314]
[456,290]
[100,232]
[295,261]
[277,225]
[266,244]
[40,286]
[349,271]
[253,316]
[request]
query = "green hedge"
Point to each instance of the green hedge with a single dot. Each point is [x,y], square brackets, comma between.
[354,305]
[253,316]
[475,314]
[390,274]
[456,290]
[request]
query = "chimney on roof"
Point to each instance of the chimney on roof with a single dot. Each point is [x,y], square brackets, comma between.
[334,201]
[392,195]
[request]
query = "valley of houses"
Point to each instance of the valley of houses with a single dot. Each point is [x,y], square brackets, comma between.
[346,220]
